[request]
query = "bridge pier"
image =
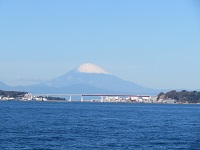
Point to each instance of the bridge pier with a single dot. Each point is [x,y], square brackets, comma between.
[101,98]
[81,98]
[70,98]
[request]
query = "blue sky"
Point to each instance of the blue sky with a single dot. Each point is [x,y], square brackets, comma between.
[152,43]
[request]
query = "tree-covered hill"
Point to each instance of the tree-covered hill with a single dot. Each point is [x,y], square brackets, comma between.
[12,93]
[181,96]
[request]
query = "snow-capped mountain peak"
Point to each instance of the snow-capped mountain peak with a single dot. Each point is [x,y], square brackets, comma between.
[90,68]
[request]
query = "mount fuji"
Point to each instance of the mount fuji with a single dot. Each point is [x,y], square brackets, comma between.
[88,79]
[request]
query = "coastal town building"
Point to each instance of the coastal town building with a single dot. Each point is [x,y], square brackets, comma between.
[27,97]
[170,101]
[102,98]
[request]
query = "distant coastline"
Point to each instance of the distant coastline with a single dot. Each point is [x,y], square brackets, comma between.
[171,97]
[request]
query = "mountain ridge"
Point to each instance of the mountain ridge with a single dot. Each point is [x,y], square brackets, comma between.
[88,79]
[98,79]
[4,86]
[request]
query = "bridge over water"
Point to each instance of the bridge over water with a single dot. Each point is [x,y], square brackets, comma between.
[89,95]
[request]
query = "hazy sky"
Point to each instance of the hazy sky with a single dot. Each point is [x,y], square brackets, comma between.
[154,43]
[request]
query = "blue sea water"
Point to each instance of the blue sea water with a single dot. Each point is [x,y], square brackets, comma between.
[88,126]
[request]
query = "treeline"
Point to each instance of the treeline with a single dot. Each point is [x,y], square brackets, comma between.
[12,93]
[55,98]
[51,98]
[181,96]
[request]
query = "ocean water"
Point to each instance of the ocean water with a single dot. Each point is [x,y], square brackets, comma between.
[88,126]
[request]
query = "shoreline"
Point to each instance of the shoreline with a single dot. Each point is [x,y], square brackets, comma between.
[90,101]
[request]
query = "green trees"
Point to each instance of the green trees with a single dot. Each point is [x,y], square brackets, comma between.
[182,96]
[55,98]
[12,93]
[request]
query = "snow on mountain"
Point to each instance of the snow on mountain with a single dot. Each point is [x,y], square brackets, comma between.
[86,79]
[94,76]
[90,68]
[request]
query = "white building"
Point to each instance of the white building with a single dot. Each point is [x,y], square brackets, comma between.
[27,96]
[170,101]
[38,98]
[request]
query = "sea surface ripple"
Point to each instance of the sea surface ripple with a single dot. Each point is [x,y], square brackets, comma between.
[88,126]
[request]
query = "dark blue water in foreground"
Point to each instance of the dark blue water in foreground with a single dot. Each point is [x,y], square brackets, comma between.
[45,125]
